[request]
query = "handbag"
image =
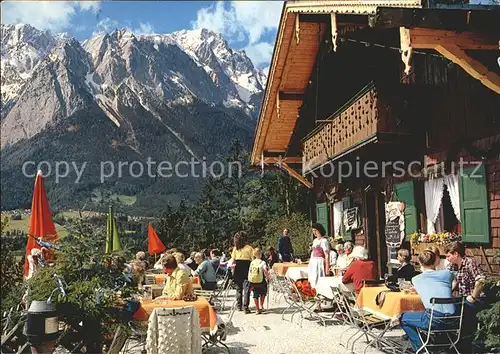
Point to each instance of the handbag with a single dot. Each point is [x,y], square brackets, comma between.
[392,284]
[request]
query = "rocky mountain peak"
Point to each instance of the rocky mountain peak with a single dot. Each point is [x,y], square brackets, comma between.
[120,96]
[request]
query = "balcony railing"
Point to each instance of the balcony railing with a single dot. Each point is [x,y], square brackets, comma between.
[358,122]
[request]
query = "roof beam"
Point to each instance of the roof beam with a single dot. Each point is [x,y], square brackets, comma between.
[480,19]
[457,42]
[473,67]
[291,96]
[425,38]
[279,159]
[296,175]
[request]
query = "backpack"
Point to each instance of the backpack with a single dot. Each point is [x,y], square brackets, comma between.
[255,272]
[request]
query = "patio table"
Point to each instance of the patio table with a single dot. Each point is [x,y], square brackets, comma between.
[281,268]
[324,286]
[207,314]
[395,302]
[296,273]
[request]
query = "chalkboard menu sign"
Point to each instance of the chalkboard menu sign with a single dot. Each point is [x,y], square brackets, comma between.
[351,219]
[393,231]
[394,223]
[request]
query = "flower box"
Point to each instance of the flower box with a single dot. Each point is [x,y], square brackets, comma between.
[419,241]
[418,248]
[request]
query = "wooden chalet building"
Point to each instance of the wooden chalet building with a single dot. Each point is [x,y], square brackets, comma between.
[401,91]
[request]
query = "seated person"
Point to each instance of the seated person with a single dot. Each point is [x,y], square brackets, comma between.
[441,264]
[139,266]
[159,263]
[140,261]
[179,257]
[360,269]
[406,270]
[338,250]
[272,257]
[205,271]
[466,268]
[190,261]
[177,283]
[215,258]
[468,282]
[431,283]
[345,259]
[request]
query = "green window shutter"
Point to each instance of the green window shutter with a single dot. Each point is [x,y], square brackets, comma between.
[347,202]
[322,216]
[405,193]
[474,205]
[347,234]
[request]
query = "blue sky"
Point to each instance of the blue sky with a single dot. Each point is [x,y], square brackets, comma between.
[249,25]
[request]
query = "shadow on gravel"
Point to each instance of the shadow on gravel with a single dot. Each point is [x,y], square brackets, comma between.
[234,347]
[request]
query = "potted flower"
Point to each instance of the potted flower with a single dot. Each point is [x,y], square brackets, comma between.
[420,241]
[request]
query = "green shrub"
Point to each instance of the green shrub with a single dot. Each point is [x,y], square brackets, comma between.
[300,231]
[489,319]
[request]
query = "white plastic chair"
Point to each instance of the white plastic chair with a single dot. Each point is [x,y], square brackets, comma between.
[174,331]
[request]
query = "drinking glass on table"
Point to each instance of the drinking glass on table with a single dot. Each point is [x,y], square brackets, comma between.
[148,293]
[401,282]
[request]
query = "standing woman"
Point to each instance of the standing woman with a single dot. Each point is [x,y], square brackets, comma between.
[319,263]
[241,256]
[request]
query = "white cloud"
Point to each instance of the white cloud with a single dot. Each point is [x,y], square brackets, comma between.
[93,6]
[144,29]
[257,17]
[217,18]
[260,53]
[45,15]
[243,20]
[106,25]
[252,18]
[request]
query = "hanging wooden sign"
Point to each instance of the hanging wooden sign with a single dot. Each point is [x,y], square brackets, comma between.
[394,223]
[351,219]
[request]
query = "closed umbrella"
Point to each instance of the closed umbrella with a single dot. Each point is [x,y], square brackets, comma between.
[155,245]
[41,224]
[113,243]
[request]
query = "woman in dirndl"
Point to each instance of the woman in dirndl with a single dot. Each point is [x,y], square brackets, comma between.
[320,255]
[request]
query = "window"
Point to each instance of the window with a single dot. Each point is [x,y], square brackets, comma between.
[446,219]
[459,204]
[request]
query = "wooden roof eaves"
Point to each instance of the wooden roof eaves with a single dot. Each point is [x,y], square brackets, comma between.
[259,139]
[348,6]
[313,6]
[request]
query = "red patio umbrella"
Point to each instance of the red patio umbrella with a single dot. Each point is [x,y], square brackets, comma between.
[155,245]
[41,224]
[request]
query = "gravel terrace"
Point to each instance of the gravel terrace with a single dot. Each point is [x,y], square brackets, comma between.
[268,333]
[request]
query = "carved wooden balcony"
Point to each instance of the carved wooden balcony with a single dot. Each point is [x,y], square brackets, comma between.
[372,114]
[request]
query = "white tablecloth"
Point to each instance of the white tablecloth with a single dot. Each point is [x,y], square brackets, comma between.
[296,273]
[323,287]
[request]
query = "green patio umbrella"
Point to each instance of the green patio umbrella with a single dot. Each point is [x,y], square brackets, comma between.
[113,243]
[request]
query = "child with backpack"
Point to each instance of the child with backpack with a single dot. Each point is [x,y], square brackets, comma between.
[258,276]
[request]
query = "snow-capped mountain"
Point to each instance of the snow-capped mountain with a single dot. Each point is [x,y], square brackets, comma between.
[237,82]
[230,69]
[121,96]
[23,47]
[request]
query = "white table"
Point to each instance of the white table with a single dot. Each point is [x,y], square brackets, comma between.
[324,284]
[296,273]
